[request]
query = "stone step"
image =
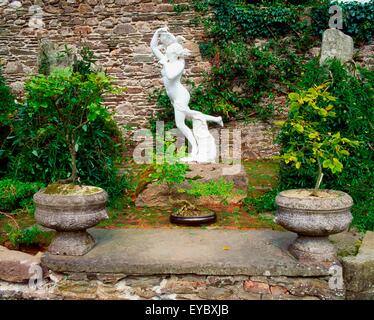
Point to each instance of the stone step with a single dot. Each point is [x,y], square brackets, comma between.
[187,251]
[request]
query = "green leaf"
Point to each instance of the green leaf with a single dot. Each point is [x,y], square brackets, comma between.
[313,135]
[326,163]
[92,116]
[294,96]
[298,127]
[344,152]
[322,112]
[338,166]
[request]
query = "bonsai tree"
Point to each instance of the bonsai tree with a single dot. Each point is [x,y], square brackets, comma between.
[73,98]
[169,174]
[168,171]
[306,144]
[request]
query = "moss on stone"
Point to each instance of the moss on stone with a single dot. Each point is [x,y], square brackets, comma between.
[70,189]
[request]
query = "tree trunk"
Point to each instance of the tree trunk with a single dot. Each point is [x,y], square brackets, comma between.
[319,178]
[73,154]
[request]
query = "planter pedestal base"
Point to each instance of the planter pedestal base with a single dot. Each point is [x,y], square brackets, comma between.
[72,243]
[313,249]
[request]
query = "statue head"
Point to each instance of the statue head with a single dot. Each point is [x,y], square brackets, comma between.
[167,38]
[176,51]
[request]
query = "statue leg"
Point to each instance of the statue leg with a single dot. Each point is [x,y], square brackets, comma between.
[180,118]
[207,117]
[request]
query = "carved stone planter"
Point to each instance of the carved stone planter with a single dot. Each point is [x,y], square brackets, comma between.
[70,215]
[313,218]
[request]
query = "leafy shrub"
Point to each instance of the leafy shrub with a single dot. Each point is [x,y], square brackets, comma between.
[28,236]
[16,194]
[7,110]
[263,203]
[170,174]
[64,125]
[354,120]
[67,102]
[310,111]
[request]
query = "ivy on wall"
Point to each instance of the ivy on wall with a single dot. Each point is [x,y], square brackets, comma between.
[358,19]
[247,74]
[244,74]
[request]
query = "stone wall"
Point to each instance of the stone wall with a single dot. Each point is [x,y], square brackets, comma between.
[119,31]
[174,287]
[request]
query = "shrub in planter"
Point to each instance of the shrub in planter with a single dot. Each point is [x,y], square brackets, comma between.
[73,101]
[69,100]
[313,213]
[40,149]
[354,119]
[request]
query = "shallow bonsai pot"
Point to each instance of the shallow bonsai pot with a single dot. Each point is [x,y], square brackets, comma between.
[194,220]
[313,218]
[70,215]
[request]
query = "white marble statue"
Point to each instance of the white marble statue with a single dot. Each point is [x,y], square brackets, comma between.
[169,51]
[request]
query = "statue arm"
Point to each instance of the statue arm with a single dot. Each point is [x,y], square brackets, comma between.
[154,44]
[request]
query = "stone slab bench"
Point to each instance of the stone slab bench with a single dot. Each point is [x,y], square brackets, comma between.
[189,264]
[185,251]
[156,264]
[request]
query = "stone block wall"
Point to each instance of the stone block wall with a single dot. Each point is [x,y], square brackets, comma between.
[174,287]
[119,32]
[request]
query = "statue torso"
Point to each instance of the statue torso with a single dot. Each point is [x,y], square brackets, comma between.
[178,94]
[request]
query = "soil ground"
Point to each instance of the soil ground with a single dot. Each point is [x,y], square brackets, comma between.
[262,175]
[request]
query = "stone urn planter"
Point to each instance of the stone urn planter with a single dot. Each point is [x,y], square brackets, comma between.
[70,210]
[313,218]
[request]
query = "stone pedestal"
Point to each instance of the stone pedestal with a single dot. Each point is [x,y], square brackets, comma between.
[156,195]
[313,248]
[75,243]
